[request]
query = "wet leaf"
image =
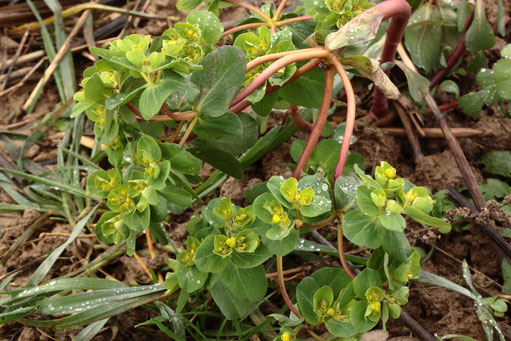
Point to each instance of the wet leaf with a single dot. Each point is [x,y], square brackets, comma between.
[480,34]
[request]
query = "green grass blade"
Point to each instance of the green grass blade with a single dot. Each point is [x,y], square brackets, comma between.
[88,333]
[46,265]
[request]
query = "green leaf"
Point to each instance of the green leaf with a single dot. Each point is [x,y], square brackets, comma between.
[502,77]
[357,317]
[235,145]
[180,160]
[423,41]
[357,31]
[206,260]
[230,305]
[176,195]
[306,91]
[46,265]
[497,162]
[506,274]
[418,85]
[423,218]
[93,90]
[153,97]
[246,284]
[148,148]
[341,328]
[345,191]
[392,221]
[472,103]
[219,80]
[365,202]
[480,34]
[208,23]
[450,86]
[215,127]
[245,260]
[138,221]
[321,296]
[501,19]
[462,15]
[365,280]
[281,247]
[219,159]
[187,5]
[304,296]
[190,278]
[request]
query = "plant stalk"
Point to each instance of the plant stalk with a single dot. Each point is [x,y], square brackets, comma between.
[188,131]
[351,112]
[243,27]
[318,126]
[340,248]
[399,11]
[251,8]
[279,64]
[271,57]
[282,287]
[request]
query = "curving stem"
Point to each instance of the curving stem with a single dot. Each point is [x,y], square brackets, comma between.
[318,126]
[282,287]
[243,27]
[252,8]
[350,117]
[279,64]
[399,11]
[340,248]
[311,65]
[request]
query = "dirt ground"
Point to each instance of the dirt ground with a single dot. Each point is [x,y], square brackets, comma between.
[438,310]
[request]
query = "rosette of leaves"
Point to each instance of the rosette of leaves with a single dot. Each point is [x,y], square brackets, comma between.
[330,13]
[381,202]
[138,196]
[290,202]
[261,44]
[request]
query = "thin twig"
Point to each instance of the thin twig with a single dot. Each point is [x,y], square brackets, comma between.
[55,62]
[411,134]
[16,55]
[340,249]
[437,132]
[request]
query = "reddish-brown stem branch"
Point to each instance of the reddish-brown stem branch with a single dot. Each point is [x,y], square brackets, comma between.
[282,287]
[187,115]
[279,64]
[301,71]
[279,10]
[300,123]
[351,112]
[271,57]
[292,20]
[318,126]
[399,11]
[444,107]
[243,27]
[340,248]
[252,8]
[133,109]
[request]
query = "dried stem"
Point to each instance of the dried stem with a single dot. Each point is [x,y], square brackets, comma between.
[142,265]
[55,62]
[399,11]
[350,117]
[411,134]
[318,126]
[437,132]
[282,287]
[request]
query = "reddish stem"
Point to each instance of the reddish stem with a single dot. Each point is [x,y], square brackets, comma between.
[340,248]
[300,123]
[279,64]
[318,126]
[243,27]
[252,8]
[350,117]
[292,20]
[399,11]
[444,107]
[271,57]
[133,109]
[187,115]
[301,71]
[453,58]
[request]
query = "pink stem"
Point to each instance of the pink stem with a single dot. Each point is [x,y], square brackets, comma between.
[399,11]
[292,20]
[301,71]
[279,64]
[350,117]
[318,126]
[243,27]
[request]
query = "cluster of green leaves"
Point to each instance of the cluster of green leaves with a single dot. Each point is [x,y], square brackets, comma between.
[495,86]
[139,189]
[330,13]
[228,244]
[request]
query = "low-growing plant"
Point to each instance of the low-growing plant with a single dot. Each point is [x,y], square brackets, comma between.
[162,106]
